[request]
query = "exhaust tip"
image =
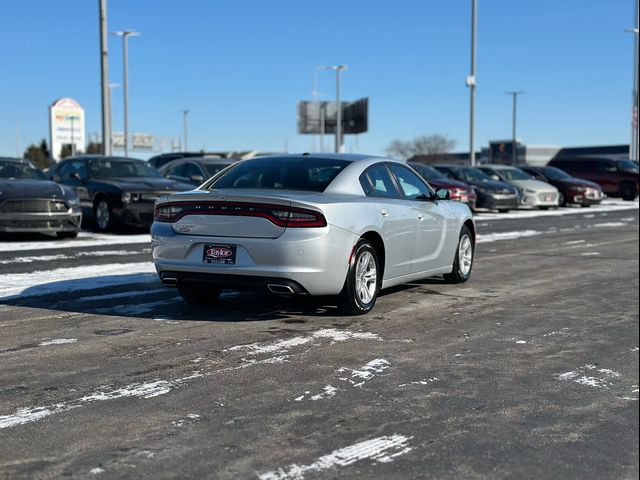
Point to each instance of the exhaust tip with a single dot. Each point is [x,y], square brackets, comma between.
[280,289]
[170,281]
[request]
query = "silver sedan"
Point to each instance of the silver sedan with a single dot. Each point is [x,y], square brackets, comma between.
[311,224]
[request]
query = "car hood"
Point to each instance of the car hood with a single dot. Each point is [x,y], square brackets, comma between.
[17,188]
[576,182]
[492,185]
[146,184]
[534,185]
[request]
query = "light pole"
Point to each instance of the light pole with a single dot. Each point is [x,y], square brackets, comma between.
[633,146]
[337,69]
[110,114]
[104,79]
[514,152]
[471,83]
[314,96]
[185,129]
[125,34]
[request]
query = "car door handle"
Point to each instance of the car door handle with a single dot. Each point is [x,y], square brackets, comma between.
[420,216]
[384,213]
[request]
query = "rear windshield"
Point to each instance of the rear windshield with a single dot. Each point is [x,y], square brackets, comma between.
[474,175]
[514,174]
[20,170]
[627,165]
[214,168]
[307,174]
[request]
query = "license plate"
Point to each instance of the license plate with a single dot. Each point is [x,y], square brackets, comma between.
[548,198]
[219,254]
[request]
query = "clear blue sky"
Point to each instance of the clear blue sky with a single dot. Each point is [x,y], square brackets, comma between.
[241,66]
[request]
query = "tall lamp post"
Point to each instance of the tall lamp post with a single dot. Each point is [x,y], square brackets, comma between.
[125,34]
[110,113]
[338,69]
[104,79]
[633,146]
[185,129]
[471,83]
[514,151]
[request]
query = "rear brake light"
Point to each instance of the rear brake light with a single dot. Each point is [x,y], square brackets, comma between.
[279,215]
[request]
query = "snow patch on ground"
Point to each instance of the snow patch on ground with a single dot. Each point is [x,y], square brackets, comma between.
[284,346]
[494,237]
[425,381]
[590,376]
[381,449]
[609,224]
[359,377]
[75,278]
[58,341]
[85,239]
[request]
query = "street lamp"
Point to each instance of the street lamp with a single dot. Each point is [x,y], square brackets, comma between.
[125,34]
[185,129]
[110,113]
[471,83]
[337,69]
[514,152]
[633,146]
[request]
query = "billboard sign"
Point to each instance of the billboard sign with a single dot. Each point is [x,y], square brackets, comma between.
[312,116]
[66,126]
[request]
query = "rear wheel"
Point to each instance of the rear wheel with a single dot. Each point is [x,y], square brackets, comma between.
[628,191]
[199,293]
[363,281]
[463,262]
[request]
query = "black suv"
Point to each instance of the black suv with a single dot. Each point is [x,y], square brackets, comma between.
[618,178]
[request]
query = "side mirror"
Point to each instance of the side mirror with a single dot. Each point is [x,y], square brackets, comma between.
[75,175]
[197,178]
[443,194]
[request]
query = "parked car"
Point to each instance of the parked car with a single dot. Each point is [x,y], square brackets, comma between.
[460,192]
[113,190]
[194,170]
[164,158]
[572,190]
[618,178]
[345,225]
[490,193]
[531,193]
[31,202]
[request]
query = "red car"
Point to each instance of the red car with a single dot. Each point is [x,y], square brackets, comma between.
[460,192]
[572,190]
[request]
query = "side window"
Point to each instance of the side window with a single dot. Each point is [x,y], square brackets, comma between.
[411,185]
[190,170]
[177,170]
[604,166]
[377,182]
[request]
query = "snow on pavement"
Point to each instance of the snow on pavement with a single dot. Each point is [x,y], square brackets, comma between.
[85,239]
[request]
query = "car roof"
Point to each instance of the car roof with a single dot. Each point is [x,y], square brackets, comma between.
[106,157]
[496,166]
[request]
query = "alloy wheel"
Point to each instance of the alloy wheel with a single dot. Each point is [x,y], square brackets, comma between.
[366,277]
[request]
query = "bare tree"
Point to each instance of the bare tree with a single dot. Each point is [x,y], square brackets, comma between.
[433,146]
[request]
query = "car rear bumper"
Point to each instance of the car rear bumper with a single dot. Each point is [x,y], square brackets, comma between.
[40,222]
[310,260]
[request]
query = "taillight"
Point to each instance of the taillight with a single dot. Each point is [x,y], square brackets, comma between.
[282,216]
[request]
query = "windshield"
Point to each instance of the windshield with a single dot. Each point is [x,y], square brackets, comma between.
[513,174]
[308,174]
[213,168]
[475,175]
[19,170]
[116,168]
[553,173]
[429,173]
[627,165]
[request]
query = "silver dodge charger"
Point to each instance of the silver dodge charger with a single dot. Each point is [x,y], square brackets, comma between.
[311,224]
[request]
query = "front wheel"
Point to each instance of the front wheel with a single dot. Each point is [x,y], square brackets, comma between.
[103,215]
[363,281]
[199,294]
[628,192]
[463,262]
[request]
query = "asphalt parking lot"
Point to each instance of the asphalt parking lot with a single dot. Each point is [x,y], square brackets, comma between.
[529,370]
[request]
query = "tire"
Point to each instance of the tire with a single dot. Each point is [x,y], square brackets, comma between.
[461,272]
[67,234]
[363,282]
[199,293]
[103,215]
[628,191]
[562,201]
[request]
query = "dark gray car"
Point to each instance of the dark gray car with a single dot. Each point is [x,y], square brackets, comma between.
[30,202]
